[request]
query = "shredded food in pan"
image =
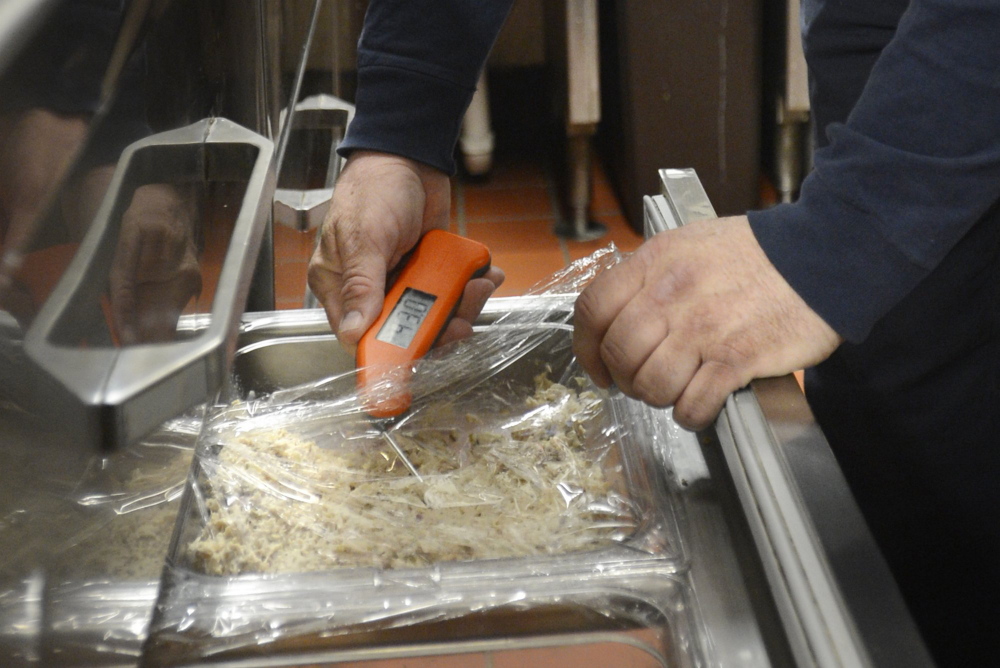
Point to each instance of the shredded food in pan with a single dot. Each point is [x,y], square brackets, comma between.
[279,503]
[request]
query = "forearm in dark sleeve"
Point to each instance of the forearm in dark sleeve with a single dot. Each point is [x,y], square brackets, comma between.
[916,164]
[418,62]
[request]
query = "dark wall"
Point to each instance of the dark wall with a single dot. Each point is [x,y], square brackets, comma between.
[681,88]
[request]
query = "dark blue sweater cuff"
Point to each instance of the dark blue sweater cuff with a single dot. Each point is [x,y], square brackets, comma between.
[408,113]
[839,263]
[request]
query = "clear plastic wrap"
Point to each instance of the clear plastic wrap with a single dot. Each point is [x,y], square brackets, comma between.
[518,455]
[132,500]
[506,471]
[302,528]
[85,547]
[101,517]
[331,620]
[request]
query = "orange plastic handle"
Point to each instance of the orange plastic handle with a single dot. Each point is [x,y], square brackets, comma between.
[417,309]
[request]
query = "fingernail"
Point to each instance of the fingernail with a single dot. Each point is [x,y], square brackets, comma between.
[350,321]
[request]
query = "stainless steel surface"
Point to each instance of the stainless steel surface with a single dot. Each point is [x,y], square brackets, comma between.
[300,204]
[737,613]
[644,612]
[84,539]
[790,150]
[286,127]
[171,63]
[21,619]
[253,605]
[80,80]
[831,518]
[254,35]
[836,597]
[263,57]
[684,194]
[265,365]
[752,568]
[93,78]
[741,627]
[115,395]
[79,616]
[732,612]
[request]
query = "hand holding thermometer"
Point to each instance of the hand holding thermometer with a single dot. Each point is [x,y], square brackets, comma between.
[416,311]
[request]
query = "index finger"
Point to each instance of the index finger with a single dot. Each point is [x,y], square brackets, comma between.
[122,282]
[596,308]
[325,282]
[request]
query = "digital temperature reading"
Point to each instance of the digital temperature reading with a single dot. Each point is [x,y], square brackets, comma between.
[417,309]
[407,316]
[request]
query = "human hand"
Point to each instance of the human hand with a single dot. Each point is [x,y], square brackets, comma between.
[36,148]
[693,315]
[381,206]
[155,270]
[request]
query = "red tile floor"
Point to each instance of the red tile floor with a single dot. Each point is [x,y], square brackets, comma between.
[514,212]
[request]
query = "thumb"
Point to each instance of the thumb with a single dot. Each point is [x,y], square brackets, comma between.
[362,294]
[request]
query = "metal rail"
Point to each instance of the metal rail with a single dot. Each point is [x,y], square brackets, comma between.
[836,597]
[109,396]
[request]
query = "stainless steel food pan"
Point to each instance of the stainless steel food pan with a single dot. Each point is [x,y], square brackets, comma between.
[479,600]
[283,350]
[643,617]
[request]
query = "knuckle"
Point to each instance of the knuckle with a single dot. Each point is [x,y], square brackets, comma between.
[328,238]
[585,309]
[730,356]
[670,287]
[725,379]
[650,387]
[614,355]
[356,285]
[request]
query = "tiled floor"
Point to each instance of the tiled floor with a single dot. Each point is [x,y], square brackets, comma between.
[514,212]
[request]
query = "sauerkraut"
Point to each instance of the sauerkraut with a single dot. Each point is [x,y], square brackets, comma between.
[542,479]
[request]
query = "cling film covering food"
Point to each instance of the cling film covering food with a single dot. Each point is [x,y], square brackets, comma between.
[301,504]
[535,478]
[240,619]
[517,453]
[84,549]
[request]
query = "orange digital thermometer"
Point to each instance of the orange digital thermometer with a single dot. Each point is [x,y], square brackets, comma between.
[417,309]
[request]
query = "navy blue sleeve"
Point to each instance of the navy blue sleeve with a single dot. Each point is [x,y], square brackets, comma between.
[911,169]
[418,62]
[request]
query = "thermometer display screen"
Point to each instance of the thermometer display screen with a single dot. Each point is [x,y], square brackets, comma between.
[409,313]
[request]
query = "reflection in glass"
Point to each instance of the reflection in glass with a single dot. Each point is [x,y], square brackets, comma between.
[163,257]
[154,273]
[53,95]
